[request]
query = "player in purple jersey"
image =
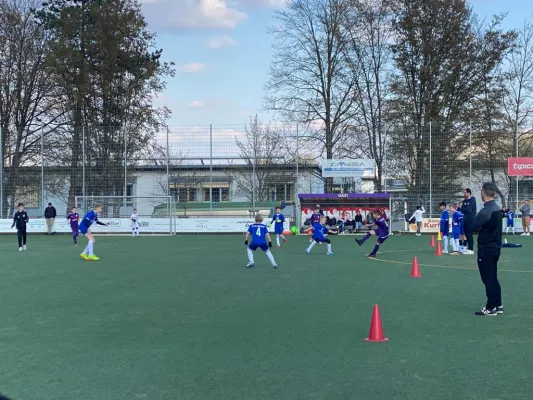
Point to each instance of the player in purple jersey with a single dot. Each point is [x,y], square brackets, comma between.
[379,229]
[73,219]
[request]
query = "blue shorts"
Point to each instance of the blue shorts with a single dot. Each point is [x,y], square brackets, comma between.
[510,223]
[83,229]
[456,235]
[254,246]
[278,228]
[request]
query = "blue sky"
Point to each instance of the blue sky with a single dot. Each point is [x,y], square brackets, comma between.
[222,53]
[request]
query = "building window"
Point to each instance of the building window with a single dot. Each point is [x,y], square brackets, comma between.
[282,192]
[219,194]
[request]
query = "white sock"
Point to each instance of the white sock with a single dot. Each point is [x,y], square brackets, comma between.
[270,257]
[277,240]
[456,246]
[86,251]
[91,247]
[311,245]
[445,242]
[283,237]
[329,247]
[250,255]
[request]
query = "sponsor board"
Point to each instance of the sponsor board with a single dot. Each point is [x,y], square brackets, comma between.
[149,225]
[365,168]
[432,225]
[520,166]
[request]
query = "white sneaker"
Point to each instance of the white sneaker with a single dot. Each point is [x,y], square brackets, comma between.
[528,234]
[468,252]
[444,251]
[523,234]
[20,248]
[24,248]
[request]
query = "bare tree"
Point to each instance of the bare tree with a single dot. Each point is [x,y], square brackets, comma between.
[518,100]
[264,166]
[29,109]
[368,25]
[309,76]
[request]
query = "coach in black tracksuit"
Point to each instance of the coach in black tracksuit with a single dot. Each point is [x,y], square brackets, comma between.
[488,224]
[20,219]
[469,210]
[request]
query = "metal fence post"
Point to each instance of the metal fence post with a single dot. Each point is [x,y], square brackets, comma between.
[1,174]
[430,173]
[42,170]
[211,167]
[125,170]
[84,160]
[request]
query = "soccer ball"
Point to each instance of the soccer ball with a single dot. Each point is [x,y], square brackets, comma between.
[294,230]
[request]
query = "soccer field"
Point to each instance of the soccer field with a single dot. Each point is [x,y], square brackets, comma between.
[178,318]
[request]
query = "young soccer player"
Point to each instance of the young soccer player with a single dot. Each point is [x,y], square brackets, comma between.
[379,229]
[20,219]
[260,236]
[134,223]
[509,214]
[457,223]
[319,236]
[315,219]
[444,226]
[278,219]
[85,228]
[73,219]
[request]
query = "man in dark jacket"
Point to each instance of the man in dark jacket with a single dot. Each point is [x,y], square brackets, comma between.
[20,219]
[469,210]
[50,214]
[488,224]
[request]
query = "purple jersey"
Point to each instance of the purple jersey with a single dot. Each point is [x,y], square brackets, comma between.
[73,219]
[383,229]
[315,218]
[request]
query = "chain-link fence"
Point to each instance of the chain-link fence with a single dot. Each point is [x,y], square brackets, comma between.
[237,170]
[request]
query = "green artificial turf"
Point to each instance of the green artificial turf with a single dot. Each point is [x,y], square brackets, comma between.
[178,318]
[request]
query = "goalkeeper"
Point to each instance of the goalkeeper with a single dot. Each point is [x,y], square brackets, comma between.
[134,223]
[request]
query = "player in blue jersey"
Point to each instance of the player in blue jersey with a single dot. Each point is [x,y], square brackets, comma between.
[509,214]
[85,228]
[319,236]
[278,219]
[444,226]
[457,227]
[315,219]
[260,235]
[380,229]
[73,219]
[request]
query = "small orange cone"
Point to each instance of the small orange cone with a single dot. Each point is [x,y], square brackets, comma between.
[432,243]
[415,272]
[376,330]
[439,250]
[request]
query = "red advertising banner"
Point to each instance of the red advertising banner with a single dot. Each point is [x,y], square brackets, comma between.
[520,166]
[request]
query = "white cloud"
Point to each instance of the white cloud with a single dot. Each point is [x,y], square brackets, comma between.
[196,104]
[260,3]
[217,42]
[192,67]
[192,14]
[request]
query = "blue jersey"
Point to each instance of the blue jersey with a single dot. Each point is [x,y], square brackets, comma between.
[510,217]
[445,222]
[258,233]
[457,222]
[319,231]
[89,219]
[279,219]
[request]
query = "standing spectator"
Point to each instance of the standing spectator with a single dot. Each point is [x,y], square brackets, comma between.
[20,219]
[358,220]
[469,210]
[489,225]
[50,214]
[525,209]
[418,215]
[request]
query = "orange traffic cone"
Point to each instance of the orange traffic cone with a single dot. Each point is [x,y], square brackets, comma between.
[432,243]
[439,250]
[415,272]
[376,330]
